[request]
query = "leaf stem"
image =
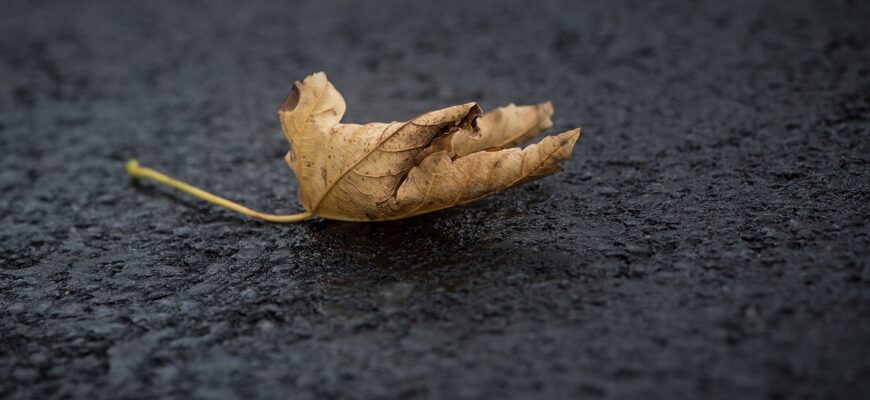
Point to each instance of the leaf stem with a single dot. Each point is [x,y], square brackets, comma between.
[138,172]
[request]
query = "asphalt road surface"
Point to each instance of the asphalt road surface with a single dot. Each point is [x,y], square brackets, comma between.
[709,237]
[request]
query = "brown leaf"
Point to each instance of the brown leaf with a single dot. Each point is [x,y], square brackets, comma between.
[506,126]
[383,171]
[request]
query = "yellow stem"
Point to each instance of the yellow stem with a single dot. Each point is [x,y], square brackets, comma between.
[138,172]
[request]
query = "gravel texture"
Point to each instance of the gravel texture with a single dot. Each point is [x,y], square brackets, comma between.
[708,239]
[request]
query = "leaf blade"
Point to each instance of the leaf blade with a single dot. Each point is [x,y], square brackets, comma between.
[438,159]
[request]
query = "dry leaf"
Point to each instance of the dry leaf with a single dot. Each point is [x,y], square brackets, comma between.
[384,171]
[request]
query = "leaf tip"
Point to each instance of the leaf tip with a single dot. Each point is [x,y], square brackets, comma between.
[570,137]
[547,106]
[292,99]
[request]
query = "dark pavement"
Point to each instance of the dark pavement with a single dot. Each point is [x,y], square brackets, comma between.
[709,237]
